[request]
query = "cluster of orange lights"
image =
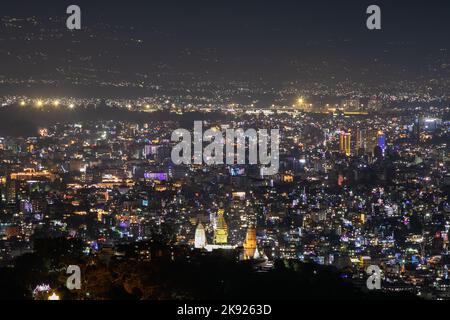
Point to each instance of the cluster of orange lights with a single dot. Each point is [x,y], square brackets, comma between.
[39,103]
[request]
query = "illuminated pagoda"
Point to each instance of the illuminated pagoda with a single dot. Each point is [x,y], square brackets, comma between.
[250,244]
[221,229]
[200,236]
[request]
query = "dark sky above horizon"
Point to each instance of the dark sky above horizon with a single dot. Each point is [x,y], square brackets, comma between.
[234,23]
[276,40]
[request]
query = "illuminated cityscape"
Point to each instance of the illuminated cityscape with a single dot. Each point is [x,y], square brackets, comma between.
[87,176]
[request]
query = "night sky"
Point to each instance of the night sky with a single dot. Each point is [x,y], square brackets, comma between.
[234,24]
[241,40]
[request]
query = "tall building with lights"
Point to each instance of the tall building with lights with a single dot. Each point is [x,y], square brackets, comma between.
[344,143]
[381,140]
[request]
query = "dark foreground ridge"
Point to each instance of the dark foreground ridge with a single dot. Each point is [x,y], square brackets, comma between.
[171,273]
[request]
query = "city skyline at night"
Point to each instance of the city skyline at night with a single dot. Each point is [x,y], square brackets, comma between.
[238,150]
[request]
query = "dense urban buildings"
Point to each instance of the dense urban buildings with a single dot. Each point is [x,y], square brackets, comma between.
[338,200]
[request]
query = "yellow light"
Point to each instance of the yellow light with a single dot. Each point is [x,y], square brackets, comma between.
[22,103]
[56,103]
[300,100]
[147,106]
[53,296]
[39,103]
[71,106]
